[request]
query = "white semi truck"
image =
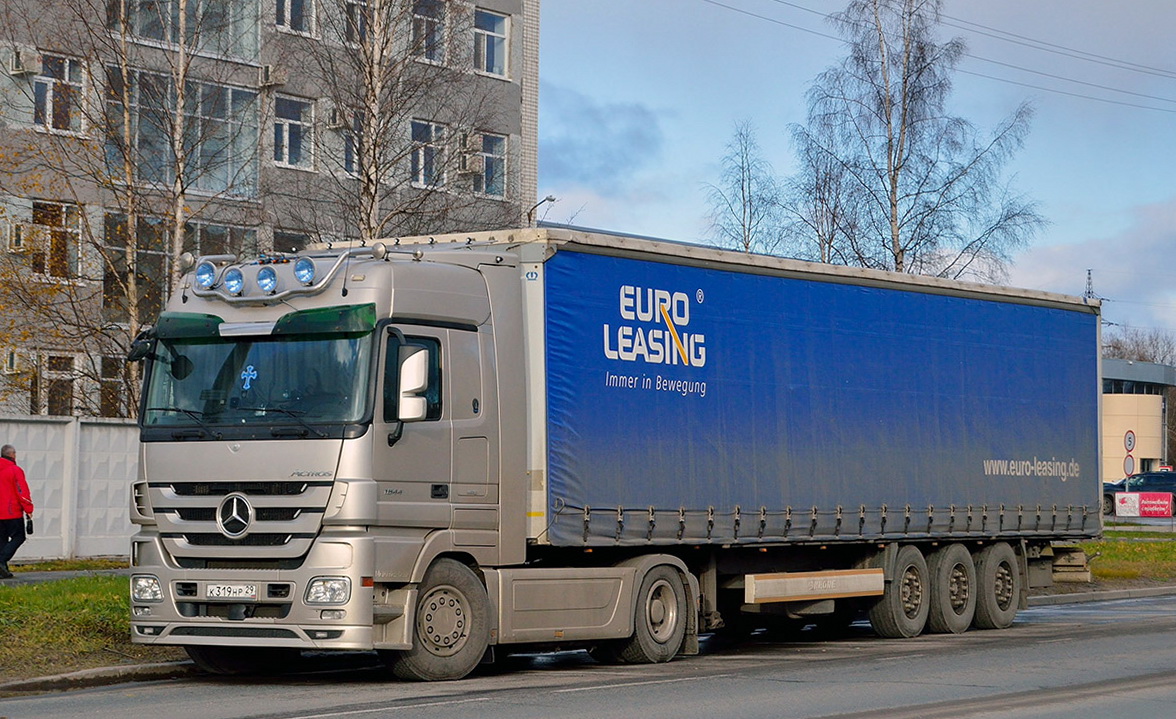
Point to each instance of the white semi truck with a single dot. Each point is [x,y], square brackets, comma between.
[432,447]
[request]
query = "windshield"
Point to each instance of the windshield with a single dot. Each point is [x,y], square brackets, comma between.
[217,384]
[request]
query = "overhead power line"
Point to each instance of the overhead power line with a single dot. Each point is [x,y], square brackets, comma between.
[765,18]
[1045,46]
[1121,64]
[1024,41]
[1056,91]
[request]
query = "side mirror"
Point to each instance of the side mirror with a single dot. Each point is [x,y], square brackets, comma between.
[414,381]
[141,346]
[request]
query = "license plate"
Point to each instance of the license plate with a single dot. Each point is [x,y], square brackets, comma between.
[231,591]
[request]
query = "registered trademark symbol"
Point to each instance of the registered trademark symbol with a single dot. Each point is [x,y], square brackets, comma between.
[700,296]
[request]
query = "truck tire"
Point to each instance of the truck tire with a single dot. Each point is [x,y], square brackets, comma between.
[902,611]
[452,626]
[999,580]
[953,590]
[231,661]
[659,626]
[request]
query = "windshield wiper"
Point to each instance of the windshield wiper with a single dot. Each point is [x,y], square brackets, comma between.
[197,417]
[292,413]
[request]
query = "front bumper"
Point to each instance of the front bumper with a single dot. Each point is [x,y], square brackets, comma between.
[194,608]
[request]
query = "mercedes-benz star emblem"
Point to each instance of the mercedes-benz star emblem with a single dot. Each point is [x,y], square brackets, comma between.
[234,515]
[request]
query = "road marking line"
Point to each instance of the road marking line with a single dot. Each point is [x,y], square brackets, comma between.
[640,684]
[387,708]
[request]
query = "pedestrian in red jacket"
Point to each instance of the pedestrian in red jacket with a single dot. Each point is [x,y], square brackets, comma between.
[15,502]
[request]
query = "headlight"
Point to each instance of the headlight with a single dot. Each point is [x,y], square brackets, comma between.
[328,590]
[205,275]
[234,281]
[304,270]
[146,588]
[267,279]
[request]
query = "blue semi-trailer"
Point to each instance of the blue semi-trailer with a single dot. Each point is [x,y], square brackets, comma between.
[554,437]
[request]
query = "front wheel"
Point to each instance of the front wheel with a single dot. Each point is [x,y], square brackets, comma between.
[451,630]
[999,579]
[660,623]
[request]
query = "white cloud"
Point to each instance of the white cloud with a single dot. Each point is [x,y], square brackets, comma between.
[1132,270]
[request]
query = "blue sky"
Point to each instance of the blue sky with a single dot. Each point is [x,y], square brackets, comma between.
[639,97]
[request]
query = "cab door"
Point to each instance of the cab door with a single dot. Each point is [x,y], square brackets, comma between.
[412,461]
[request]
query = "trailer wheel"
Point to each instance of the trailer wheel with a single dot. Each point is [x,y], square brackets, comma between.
[999,580]
[902,611]
[953,590]
[660,622]
[231,661]
[451,630]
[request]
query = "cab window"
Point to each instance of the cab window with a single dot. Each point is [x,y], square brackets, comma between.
[392,375]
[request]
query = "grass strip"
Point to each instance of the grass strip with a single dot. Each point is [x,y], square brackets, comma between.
[69,624]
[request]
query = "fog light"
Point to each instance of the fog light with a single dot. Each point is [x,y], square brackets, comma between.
[206,275]
[141,611]
[267,280]
[146,588]
[328,590]
[304,270]
[333,613]
[234,281]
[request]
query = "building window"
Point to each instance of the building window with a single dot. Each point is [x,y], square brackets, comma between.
[355,27]
[1125,386]
[110,391]
[292,133]
[294,15]
[220,130]
[57,94]
[53,251]
[57,385]
[221,27]
[150,267]
[428,30]
[350,127]
[428,153]
[223,128]
[491,178]
[490,34]
[202,238]
[290,241]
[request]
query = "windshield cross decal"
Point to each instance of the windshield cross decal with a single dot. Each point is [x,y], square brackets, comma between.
[248,375]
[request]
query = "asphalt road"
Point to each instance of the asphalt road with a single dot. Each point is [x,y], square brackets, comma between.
[1098,659]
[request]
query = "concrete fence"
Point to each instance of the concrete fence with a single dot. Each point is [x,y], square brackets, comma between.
[80,472]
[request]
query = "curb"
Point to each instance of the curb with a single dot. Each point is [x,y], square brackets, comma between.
[101,676]
[1046,600]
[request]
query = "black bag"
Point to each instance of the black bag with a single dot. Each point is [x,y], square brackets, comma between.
[28,524]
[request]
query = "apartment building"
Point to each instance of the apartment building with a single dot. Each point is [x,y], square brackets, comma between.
[134,130]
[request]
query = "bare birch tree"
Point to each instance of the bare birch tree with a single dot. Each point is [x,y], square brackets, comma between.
[914,188]
[745,205]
